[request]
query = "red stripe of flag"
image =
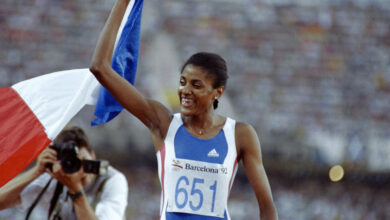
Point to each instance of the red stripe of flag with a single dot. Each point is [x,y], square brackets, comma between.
[22,136]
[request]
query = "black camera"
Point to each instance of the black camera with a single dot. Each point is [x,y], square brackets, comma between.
[70,163]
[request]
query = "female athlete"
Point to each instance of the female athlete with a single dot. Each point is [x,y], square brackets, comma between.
[197,149]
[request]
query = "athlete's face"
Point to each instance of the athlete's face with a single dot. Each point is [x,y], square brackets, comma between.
[84,154]
[196,91]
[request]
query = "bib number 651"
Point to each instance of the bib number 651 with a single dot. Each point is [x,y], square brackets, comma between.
[194,191]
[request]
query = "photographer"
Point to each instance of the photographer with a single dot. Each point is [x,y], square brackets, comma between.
[55,188]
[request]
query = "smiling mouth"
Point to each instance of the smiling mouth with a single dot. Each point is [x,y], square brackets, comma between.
[187,103]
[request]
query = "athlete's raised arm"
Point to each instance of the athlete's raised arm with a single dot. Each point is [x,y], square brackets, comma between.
[250,153]
[153,114]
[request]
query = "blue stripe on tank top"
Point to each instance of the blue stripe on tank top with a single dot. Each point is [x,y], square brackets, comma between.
[213,150]
[180,216]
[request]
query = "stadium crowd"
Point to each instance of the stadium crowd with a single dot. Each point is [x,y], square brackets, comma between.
[313,77]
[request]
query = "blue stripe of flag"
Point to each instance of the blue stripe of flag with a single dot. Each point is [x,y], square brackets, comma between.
[124,62]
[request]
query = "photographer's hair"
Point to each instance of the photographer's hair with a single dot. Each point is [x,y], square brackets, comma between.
[75,134]
[214,65]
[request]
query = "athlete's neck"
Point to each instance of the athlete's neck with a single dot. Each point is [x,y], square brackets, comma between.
[201,121]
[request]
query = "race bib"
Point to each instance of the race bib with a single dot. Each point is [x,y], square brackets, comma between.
[197,188]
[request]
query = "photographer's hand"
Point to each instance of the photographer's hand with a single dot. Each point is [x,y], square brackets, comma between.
[10,192]
[48,156]
[71,181]
[74,184]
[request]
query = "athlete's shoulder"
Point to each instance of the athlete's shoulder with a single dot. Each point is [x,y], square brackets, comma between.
[243,128]
[246,136]
[163,118]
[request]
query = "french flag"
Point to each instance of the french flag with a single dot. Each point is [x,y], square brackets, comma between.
[33,112]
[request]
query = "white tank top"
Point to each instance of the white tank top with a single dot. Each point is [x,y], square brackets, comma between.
[196,175]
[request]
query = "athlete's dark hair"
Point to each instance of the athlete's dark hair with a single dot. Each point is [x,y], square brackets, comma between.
[214,65]
[75,134]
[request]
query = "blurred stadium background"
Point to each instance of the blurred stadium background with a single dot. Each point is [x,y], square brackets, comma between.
[312,76]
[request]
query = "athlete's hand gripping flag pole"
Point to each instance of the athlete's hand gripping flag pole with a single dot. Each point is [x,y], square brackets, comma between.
[34,111]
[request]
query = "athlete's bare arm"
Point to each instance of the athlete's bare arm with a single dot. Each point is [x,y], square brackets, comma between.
[152,113]
[250,152]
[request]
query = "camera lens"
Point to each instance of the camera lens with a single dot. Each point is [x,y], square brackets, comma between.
[70,164]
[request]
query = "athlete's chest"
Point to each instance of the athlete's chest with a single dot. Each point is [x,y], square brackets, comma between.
[213,150]
[198,174]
